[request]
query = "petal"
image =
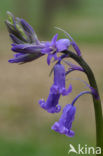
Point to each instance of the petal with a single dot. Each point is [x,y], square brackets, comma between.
[42,103]
[55,127]
[26,26]
[51,105]
[16,39]
[62,44]
[52,109]
[46,50]
[47,44]
[76,48]
[23,58]
[56,109]
[59,128]
[73,43]
[70,133]
[53,42]
[49,57]
[54,89]
[29,30]
[67,117]
[55,56]
[26,48]
[18,58]
[65,91]
[59,75]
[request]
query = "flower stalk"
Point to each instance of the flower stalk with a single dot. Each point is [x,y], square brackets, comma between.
[82,93]
[97,102]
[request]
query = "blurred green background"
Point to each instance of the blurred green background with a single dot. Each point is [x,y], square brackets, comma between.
[25,129]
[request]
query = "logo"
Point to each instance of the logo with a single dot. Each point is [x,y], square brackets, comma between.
[84,149]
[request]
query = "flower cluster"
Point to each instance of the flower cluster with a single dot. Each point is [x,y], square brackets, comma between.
[28,48]
[63,126]
[26,43]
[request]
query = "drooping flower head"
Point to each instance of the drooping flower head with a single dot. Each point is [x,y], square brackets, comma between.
[64,125]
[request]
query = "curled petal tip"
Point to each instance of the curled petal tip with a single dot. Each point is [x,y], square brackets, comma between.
[67,91]
[42,103]
[70,133]
[53,42]
[10,61]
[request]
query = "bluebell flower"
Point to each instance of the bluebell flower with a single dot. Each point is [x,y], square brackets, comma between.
[59,80]
[58,88]
[64,125]
[53,47]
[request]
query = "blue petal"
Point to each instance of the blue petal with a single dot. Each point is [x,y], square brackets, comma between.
[16,39]
[75,46]
[26,48]
[53,42]
[49,57]
[51,105]
[23,58]
[65,91]
[29,30]
[46,50]
[62,44]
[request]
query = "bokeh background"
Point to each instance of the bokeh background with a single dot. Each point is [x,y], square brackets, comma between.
[25,128]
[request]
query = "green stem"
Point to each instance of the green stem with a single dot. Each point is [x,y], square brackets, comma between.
[97,103]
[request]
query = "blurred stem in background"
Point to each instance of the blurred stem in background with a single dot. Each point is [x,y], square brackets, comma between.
[48,12]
